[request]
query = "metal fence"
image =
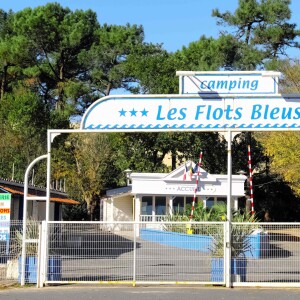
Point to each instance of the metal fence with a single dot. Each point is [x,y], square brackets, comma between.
[262,254]
[11,250]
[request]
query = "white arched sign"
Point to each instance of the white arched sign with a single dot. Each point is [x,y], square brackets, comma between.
[193,113]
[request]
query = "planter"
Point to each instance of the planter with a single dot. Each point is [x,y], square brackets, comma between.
[54,269]
[259,244]
[180,240]
[258,241]
[238,269]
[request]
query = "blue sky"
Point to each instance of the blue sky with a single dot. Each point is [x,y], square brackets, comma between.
[175,23]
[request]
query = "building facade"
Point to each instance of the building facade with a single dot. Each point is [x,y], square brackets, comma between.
[153,195]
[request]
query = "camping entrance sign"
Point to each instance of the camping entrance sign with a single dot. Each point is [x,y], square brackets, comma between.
[234,82]
[263,111]
[232,102]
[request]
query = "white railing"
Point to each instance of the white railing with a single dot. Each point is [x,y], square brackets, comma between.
[152,218]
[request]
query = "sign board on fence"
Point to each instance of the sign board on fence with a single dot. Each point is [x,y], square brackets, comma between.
[5,205]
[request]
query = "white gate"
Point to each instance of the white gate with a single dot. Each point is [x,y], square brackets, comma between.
[136,253]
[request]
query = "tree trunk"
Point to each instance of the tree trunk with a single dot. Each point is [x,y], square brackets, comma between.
[3,82]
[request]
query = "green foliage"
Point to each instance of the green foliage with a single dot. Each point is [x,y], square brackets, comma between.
[284,150]
[55,62]
[262,27]
[88,161]
[32,232]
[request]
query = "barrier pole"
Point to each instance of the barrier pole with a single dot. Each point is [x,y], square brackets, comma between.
[196,187]
[250,180]
[227,259]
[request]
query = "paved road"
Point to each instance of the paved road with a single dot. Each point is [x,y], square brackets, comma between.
[147,293]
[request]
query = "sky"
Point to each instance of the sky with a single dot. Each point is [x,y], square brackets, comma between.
[174,23]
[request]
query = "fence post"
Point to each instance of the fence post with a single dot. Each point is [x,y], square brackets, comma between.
[38,272]
[135,230]
[227,258]
[42,258]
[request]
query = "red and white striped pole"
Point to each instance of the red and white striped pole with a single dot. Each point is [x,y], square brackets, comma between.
[196,188]
[250,180]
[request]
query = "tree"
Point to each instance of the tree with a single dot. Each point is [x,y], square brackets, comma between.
[61,39]
[22,129]
[284,153]
[289,81]
[90,168]
[284,148]
[262,24]
[109,55]
[15,54]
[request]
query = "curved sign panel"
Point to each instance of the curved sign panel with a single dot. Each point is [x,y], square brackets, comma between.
[193,113]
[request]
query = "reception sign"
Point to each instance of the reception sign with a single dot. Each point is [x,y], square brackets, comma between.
[193,113]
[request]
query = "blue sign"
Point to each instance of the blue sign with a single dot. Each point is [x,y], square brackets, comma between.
[4,237]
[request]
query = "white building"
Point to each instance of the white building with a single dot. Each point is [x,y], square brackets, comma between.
[152,195]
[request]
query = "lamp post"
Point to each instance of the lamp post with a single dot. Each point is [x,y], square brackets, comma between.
[241,172]
[127,174]
[247,204]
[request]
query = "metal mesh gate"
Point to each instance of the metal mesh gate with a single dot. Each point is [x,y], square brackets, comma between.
[127,252]
[160,252]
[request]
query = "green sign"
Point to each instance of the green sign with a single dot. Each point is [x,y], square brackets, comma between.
[6,196]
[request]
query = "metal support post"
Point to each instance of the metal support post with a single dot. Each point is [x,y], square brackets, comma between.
[228,223]
[135,230]
[42,258]
[26,197]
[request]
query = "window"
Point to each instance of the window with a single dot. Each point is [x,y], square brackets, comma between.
[188,201]
[221,200]
[146,205]
[210,202]
[178,205]
[160,205]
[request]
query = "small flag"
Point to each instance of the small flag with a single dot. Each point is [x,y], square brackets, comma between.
[185,172]
[193,170]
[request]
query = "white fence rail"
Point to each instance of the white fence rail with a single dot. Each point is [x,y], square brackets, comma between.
[263,254]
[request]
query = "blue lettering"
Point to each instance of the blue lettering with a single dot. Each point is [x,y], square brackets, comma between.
[218,113]
[254,85]
[297,111]
[199,111]
[211,85]
[266,112]
[171,113]
[238,113]
[228,111]
[208,112]
[274,113]
[246,84]
[203,84]
[158,113]
[229,85]
[182,114]
[232,85]
[222,84]
[286,113]
[256,114]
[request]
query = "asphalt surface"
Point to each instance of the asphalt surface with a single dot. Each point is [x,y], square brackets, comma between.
[146,293]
